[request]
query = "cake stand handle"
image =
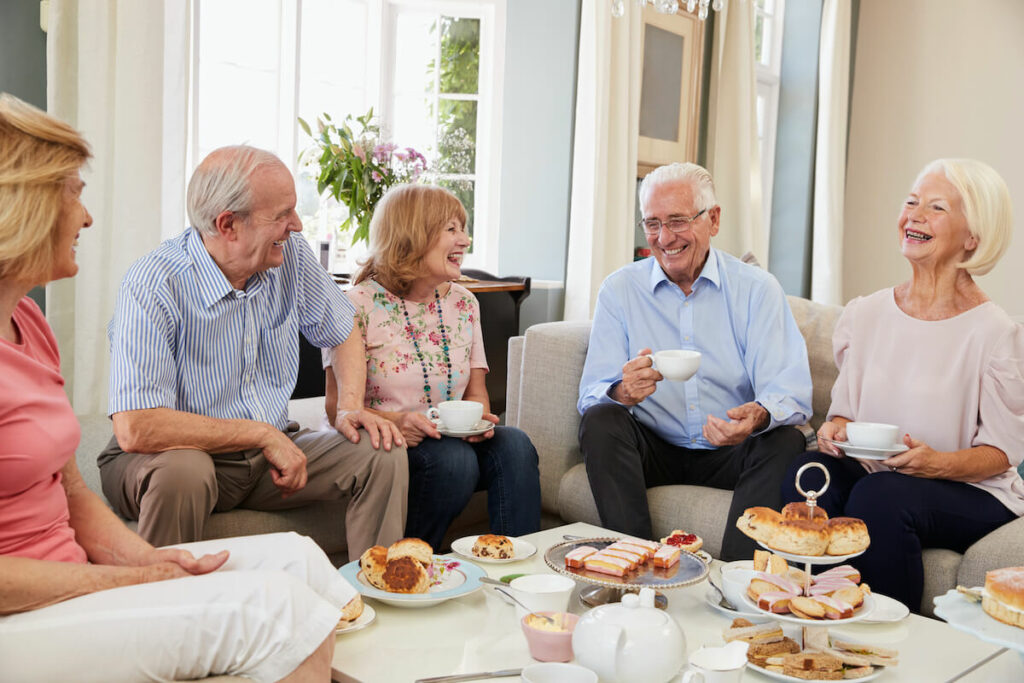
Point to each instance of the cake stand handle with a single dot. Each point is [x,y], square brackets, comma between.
[812,496]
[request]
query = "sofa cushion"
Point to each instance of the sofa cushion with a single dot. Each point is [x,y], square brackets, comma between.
[816,322]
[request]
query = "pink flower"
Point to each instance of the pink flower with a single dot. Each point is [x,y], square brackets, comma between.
[358,151]
[382,151]
[377,177]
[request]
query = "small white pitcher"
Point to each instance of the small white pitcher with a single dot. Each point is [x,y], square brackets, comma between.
[717,664]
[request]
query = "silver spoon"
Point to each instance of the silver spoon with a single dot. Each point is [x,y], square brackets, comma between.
[722,600]
[516,600]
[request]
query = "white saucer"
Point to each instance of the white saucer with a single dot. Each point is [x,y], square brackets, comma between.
[362,621]
[866,453]
[481,427]
[887,610]
[520,550]
[712,600]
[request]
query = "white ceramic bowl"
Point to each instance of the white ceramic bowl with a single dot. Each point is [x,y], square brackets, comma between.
[736,578]
[542,592]
[872,434]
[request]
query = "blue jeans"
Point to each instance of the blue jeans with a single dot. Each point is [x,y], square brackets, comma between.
[444,473]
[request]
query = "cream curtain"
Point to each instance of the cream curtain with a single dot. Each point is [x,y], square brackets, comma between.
[604,152]
[830,153]
[117,71]
[734,156]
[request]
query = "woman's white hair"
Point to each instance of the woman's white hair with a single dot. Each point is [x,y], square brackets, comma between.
[221,183]
[676,172]
[987,208]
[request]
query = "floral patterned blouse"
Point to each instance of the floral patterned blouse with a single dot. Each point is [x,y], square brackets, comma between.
[394,372]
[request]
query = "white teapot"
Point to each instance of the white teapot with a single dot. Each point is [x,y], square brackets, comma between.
[630,641]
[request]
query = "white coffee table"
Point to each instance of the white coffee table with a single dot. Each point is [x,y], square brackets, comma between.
[479,632]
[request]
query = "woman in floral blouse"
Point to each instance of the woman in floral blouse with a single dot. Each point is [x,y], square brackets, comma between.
[424,347]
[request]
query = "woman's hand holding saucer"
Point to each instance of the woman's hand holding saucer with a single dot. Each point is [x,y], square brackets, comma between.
[920,461]
[833,430]
[490,417]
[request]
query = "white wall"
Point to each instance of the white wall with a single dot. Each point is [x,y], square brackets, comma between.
[933,78]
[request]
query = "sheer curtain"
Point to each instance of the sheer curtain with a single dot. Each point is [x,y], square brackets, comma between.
[734,157]
[604,152]
[116,70]
[830,153]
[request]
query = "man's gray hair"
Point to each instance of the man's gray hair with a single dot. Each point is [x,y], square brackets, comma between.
[221,183]
[686,172]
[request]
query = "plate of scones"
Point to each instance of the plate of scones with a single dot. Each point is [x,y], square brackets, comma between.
[409,574]
[804,533]
[493,548]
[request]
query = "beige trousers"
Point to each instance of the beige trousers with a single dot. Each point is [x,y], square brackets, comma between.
[172,493]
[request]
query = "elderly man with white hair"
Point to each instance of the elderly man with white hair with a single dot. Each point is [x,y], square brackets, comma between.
[727,426]
[204,357]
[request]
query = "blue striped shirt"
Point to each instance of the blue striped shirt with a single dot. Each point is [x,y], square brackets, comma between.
[183,338]
[736,316]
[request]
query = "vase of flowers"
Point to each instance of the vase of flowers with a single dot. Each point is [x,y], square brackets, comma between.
[357,167]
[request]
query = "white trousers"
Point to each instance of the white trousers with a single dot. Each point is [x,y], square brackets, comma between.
[260,615]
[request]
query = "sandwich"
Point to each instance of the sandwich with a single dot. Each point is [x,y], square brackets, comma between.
[872,654]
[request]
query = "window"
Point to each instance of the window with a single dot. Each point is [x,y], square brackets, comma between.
[431,69]
[768,55]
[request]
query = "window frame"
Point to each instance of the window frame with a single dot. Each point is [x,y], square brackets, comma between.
[768,85]
[381,19]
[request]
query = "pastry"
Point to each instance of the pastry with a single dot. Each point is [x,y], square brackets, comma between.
[771,563]
[405,575]
[804,511]
[372,563]
[650,545]
[1003,597]
[666,557]
[607,564]
[574,558]
[684,541]
[493,546]
[843,571]
[351,611]
[633,559]
[800,537]
[759,523]
[776,602]
[846,535]
[415,548]
[643,552]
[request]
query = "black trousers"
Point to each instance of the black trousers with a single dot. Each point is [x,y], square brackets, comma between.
[624,458]
[904,514]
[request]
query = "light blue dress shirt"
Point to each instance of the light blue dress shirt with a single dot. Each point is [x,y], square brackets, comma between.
[736,316]
[183,338]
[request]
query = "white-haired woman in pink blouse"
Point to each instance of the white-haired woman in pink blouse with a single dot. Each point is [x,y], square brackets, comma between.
[937,357]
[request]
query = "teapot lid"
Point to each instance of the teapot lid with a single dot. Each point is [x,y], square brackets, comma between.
[634,610]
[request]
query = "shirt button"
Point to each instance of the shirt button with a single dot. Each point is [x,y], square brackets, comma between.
[693,440]
[686,303]
[686,338]
[692,407]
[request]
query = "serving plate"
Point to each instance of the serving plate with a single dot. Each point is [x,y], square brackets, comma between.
[364,620]
[861,612]
[521,550]
[713,599]
[968,616]
[689,570]
[783,677]
[812,559]
[453,579]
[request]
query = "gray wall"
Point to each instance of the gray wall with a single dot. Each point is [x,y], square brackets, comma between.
[536,156]
[23,62]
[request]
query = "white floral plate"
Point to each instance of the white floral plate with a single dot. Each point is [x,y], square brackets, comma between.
[481,427]
[520,550]
[362,621]
[452,579]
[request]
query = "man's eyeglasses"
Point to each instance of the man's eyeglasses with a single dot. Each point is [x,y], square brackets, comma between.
[676,224]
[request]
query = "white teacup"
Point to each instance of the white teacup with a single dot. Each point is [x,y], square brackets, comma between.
[542,593]
[677,365]
[718,664]
[457,416]
[872,434]
[736,577]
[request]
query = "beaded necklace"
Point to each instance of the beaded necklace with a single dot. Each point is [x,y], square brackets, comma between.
[444,346]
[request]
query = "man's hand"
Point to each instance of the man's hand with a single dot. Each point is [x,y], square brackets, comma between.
[415,427]
[490,417]
[287,462]
[743,421]
[833,430]
[380,429]
[639,380]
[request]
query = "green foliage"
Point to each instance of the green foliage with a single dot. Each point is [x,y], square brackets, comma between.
[357,167]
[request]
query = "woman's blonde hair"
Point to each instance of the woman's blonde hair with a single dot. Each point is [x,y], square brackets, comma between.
[987,208]
[37,155]
[405,224]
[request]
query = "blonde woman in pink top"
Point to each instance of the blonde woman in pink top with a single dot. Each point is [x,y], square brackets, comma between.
[77,587]
[424,346]
[936,357]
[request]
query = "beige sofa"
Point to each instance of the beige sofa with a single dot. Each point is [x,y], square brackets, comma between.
[544,372]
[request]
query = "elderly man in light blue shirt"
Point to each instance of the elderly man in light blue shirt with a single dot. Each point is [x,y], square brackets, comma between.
[204,357]
[729,426]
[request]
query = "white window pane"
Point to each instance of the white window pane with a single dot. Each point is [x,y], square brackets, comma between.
[332,60]
[238,75]
[768,25]
[761,103]
[413,123]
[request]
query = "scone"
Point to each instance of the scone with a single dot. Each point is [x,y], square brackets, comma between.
[405,575]
[684,541]
[372,563]
[800,537]
[415,548]
[847,535]
[804,511]
[760,523]
[494,546]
